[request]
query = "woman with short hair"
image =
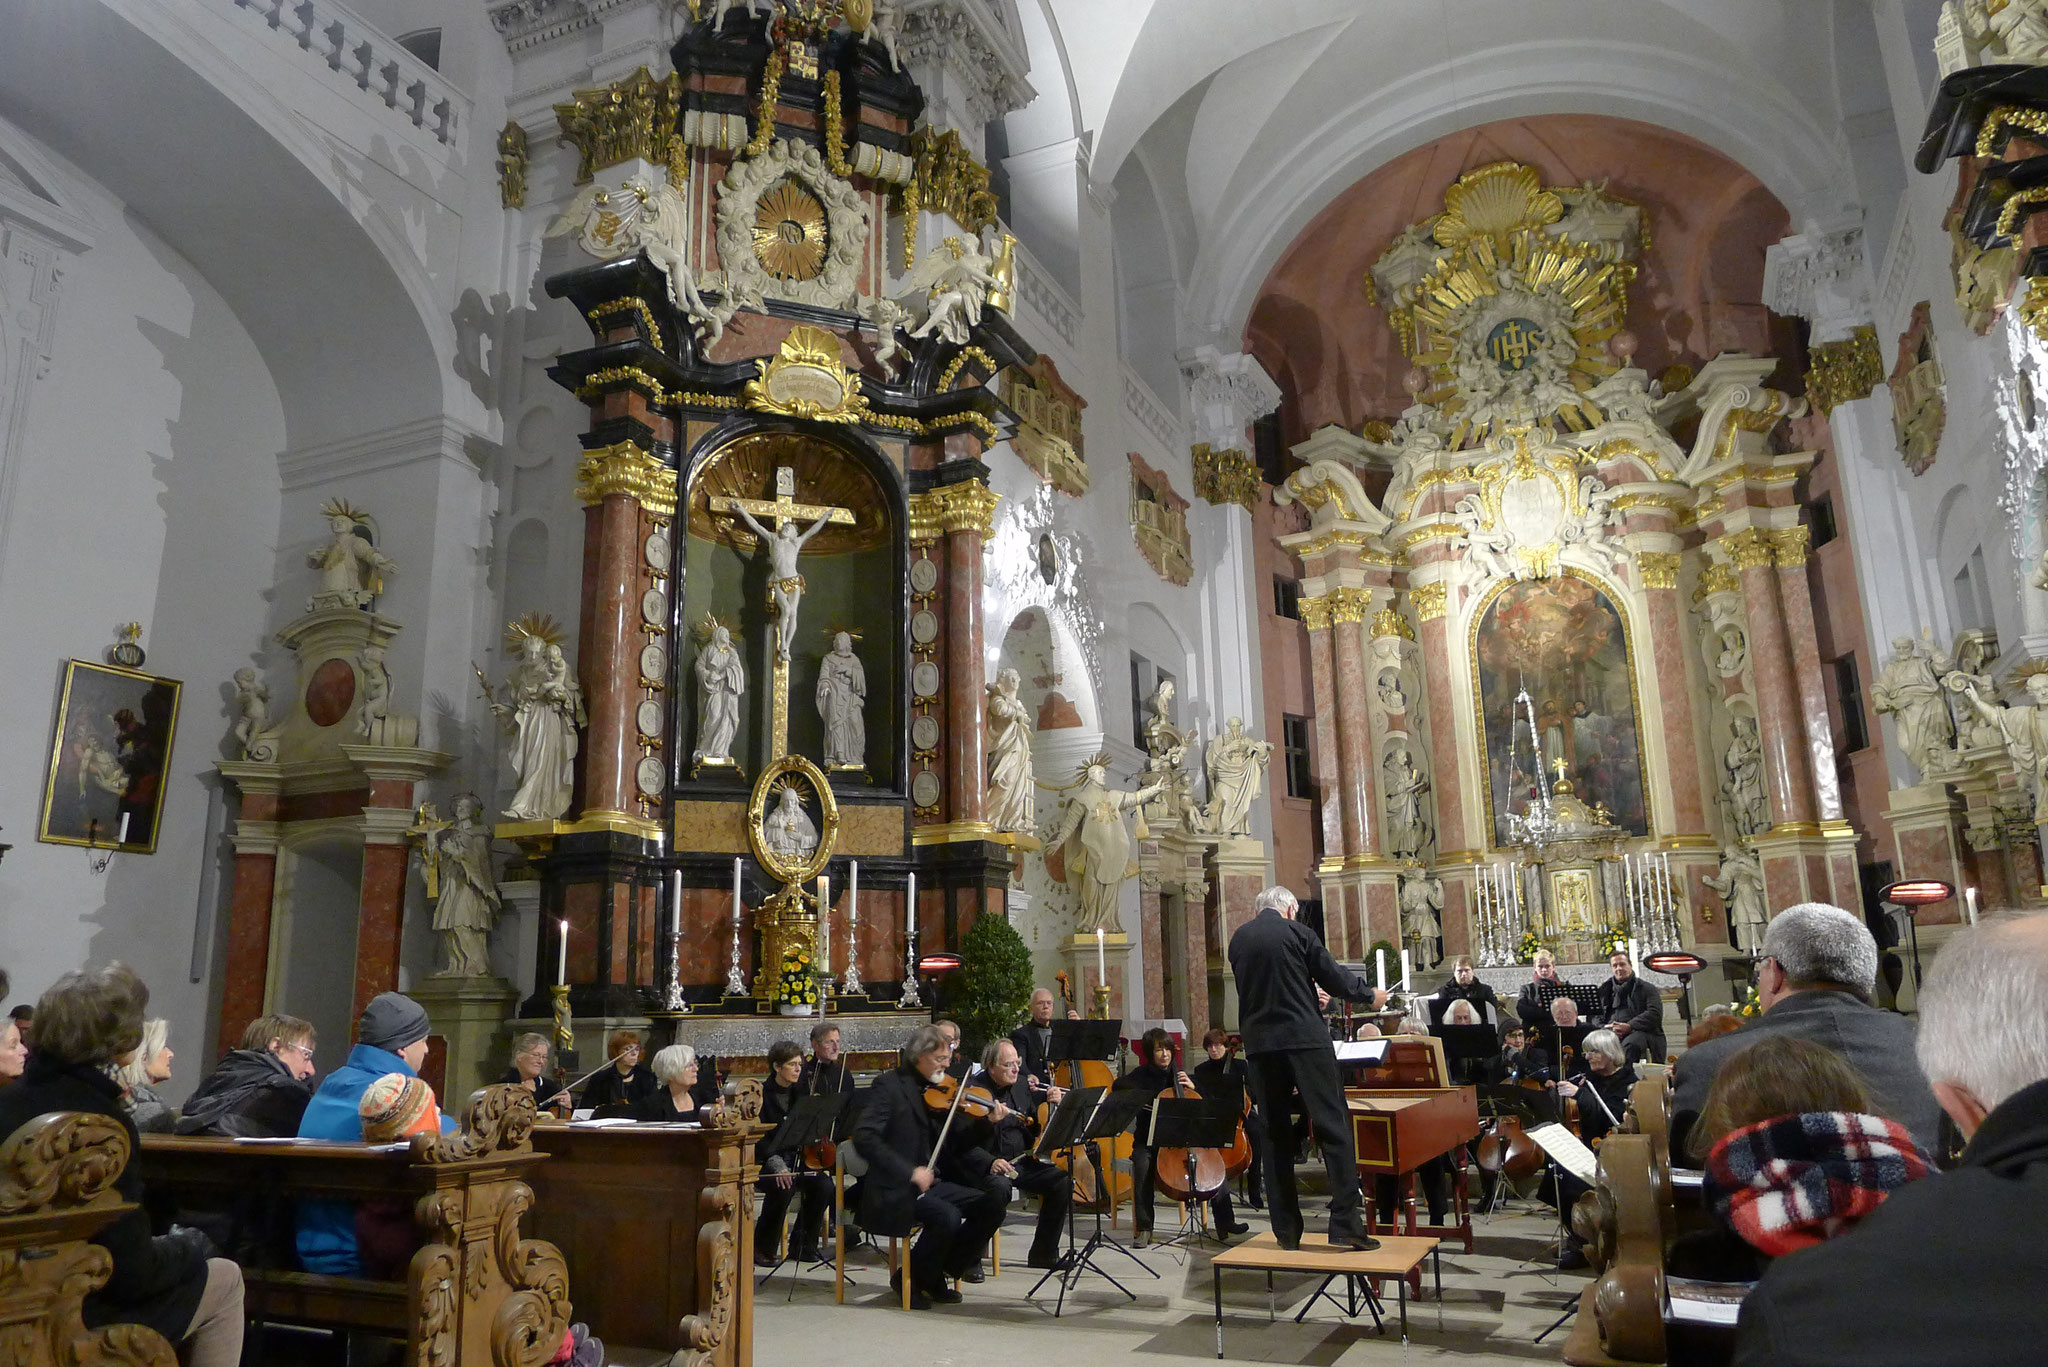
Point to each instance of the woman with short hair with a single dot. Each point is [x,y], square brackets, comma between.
[628,1080]
[88,1024]
[141,1075]
[529,1061]
[675,1068]
[13,1052]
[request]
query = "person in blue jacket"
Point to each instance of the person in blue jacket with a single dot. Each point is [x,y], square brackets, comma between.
[391,1038]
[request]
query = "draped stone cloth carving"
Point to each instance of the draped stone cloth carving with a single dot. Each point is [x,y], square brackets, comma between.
[721,683]
[1009,756]
[1236,765]
[1096,847]
[842,694]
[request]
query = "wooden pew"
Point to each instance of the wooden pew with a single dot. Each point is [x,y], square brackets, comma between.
[476,1292]
[659,1222]
[56,1191]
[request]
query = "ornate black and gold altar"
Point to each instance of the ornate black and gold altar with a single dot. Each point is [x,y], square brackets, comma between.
[785,510]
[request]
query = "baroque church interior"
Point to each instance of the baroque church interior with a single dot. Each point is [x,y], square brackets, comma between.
[679,522]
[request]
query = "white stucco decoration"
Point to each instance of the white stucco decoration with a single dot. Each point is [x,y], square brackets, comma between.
[837,283]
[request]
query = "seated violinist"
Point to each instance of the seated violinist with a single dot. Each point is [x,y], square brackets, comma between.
[1008,1143]
[782,1172]
[1602,1093]
[529,1063]
[628,1079]
[1516,1062]
[911,1180]
[1158,1075]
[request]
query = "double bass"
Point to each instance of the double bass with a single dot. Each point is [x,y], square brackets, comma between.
[1098,1184]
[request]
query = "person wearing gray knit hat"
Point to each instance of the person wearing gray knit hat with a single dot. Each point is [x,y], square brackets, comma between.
[393,1021]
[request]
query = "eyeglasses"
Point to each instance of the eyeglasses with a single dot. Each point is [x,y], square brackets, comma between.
[304,1051]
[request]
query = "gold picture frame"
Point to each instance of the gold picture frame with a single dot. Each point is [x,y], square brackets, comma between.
[110,758]
[785,773]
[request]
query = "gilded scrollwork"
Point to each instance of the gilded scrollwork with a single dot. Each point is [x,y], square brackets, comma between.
[1226,476]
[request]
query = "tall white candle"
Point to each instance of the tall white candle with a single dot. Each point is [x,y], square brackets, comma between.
[1379,960]
[853,894]
[562,956]
[1101,959]
[1634,959]
[735,898]
[1404,970]
[1670,894]
[910,915]
[123,838]
[1970,902]
[824,925]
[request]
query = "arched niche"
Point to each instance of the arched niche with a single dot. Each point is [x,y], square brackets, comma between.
[1567,640]
[855,580]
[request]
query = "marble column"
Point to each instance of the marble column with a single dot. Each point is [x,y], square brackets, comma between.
[1787,768]
[1315,615]
[1658,572]
[966,511]
[1428,600]
[393,774]
[246,980]
[1796,600]
[1356,779]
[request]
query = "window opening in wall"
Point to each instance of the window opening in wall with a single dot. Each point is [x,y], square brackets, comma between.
[1301,780]
[1849,692]
[1268,449]
[1821,516]
[425,44]
[1141,689]
[1286,597]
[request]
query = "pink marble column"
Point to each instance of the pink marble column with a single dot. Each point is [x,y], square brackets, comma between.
[1674,710]
[1355,785]
[966,771]
[1796,597]
[1323,683]
[1788,773]
[608,651]
[247,978]
[1443,742]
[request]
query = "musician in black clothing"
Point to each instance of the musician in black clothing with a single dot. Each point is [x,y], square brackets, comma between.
[628,1080]
[1602,1092]
[1282,969]
[1224,1063]
[1008,1143]
[1034,1037]
[825,1071]
[907,1183]
[1530,1004]
[782,1172]
[1466,986]
[1633,1010]
[956,1061]
[1158,1075]
[1516,1062]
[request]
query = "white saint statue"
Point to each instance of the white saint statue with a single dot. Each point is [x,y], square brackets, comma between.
[1742,781]
[785,585]
[1907,689]
[459,859]
[2025,732]
[351,569]
[1422,902]
[1010,794]
[1237,765]
[1739,883]
[788,829]
[1096,847]
[954,279]
[842,694]
[721,683]
[1406,788]
[545,708]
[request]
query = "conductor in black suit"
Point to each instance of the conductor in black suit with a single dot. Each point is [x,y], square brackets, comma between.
[1282,970]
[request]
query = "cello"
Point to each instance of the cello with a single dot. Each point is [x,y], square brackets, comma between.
[1186,1175]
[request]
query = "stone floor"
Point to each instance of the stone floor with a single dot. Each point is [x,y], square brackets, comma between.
[1496,1299]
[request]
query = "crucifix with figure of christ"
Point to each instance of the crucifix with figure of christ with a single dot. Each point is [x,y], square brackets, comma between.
[785,585]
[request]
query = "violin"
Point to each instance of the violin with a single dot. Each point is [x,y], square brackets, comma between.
[949,1095]
[1188,1174]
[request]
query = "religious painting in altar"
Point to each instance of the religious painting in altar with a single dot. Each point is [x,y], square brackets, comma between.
[1565,642]
[808,648]
[108,761]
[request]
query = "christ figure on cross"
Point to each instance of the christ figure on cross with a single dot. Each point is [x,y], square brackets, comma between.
[785,585]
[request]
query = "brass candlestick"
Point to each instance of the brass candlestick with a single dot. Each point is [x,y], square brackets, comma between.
[565,1037]
[1102,1001]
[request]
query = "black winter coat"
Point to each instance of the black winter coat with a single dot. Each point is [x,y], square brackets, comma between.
[1278,964]
[895,1134]
[610,1089]
[157,1280]
[1636,1004]
[1948,1270]
[251,1095]
[1478,993]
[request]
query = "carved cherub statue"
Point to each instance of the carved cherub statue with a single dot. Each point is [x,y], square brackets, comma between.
[254,734]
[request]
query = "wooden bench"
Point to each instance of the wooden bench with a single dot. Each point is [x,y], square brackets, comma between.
[475,1292]
[56,1191]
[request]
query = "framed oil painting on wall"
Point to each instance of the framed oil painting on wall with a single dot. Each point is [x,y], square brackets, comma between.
[109,758]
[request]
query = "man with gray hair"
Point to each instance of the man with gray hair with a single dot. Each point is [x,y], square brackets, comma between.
[1948,1269]
[1285,975]
[1815,971]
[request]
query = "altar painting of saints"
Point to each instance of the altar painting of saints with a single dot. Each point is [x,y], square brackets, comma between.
[1561,639]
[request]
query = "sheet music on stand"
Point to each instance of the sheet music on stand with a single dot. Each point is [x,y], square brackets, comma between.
[1567,1151]
[1369,1053]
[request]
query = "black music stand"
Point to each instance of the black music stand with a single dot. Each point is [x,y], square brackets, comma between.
[811,1120]
[1086,1115]
[1083,1041]
[1466,1045]
[1192,1122]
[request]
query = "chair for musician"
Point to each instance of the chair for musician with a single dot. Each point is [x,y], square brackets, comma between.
[995,1246]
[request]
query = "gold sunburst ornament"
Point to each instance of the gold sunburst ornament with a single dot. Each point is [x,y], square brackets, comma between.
[789,232]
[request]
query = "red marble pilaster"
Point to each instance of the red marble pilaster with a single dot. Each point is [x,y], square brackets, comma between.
[1443,741]
[1323,684]
[247,977]
[1788,775]
[1674,710]
[382,910]
[1355,762]
[1797,601]
[607,652]
[966,767]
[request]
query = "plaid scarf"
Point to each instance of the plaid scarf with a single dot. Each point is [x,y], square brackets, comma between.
[1789,1183]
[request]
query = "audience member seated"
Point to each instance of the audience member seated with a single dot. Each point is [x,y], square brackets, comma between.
[260,1090]
[24,1017]
[141,1075]
[1633,1010]
[85,1023]
[675,1068]
[391,1037]
[1465,986]
[394,1107]
[529,1062]
[781,1175]
[1814,979]
[1712,1025]
[1529,1001]
[13,1053]
[1793,1156]
[1949,1269]
[1602,1093]
[627,1081]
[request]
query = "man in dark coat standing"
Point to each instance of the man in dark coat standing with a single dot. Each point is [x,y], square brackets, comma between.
[1284,974]
[1633,1010]
[905,1185]
[1814,979]
[1034,1037]
[1949,1268]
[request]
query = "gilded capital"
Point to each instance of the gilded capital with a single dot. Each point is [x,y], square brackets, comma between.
[1791,543]
[1658,569]
[1349,605]
[1315,612]
[1429,601]
[1389,622]
[1749,549]
[624,468]
[1715,579]
[1839,372]
[1226,476]
[969,506]
[2033,306]
[626,120]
